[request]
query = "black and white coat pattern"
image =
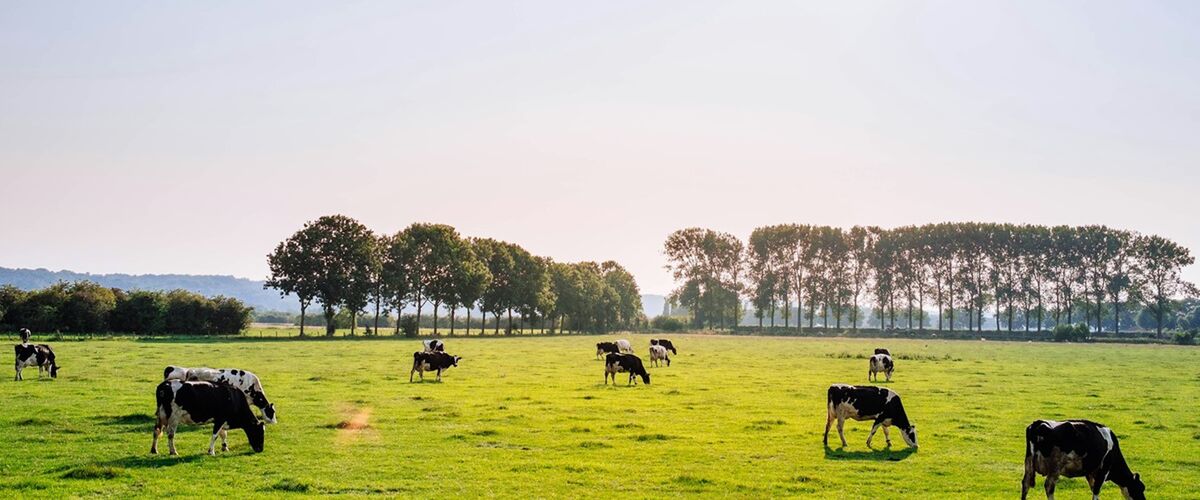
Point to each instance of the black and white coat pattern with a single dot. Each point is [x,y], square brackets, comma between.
[40,355]
[606,347]
[880,363]
[658,354]
[430,362]
[189,403]
[665,343]
[434,345]
[879,404]
[1075,448]
[243,380]
[625,363]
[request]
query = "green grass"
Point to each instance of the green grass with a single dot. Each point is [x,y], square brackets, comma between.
[531,417]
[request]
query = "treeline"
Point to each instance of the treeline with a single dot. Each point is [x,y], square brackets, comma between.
[340,265]
[86,307]
[1027,276]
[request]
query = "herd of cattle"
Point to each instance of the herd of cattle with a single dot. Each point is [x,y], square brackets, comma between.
[225,397]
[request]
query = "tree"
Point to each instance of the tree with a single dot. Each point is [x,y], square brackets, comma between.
[497,295]
[295,268]
[430,252]
[707,265]
[1160,262]
[468,279]
[87,307]
[395,273]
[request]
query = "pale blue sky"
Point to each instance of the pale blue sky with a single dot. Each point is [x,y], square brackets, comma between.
[151,137]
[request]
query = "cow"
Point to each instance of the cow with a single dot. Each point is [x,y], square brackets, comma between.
[606,347]
[625,363]
[243,380]
[880,363]
[29,355]
[665,343]
[199,402]
[659,353]
[868,403]
[25,334]
[432,361]
[434,345]
[880,350]
[624,346]
[1074,448]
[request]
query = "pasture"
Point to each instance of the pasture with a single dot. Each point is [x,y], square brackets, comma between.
[531,417]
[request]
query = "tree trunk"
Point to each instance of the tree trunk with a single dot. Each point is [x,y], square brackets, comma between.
[303,308]
[468,328]
[496,316]
[436,305]
[509,332]
[376,330]
[353,322]
[420,303]
[452,311]
[330,327]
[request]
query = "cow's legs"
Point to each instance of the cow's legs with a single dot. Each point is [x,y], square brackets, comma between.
[212,442]
[668,362]
[1051,481]
[157,432]
[224,439]
[889,376]
[874,427]
[887,436]
[17,367]
[171,440]
[841,431]
[1096,481]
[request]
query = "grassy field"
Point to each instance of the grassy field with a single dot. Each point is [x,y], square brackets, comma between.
[531,417]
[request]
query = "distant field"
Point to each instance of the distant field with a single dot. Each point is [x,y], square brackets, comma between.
[531,417]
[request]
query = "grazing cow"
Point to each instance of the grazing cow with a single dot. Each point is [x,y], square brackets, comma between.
[665,343]
[880,350]
[434,345]
[880,363]
[659,353]
[200,402]
[25,334]
[869,403]
[1077,448]
[432,361]
[625,363]
[605,347]
[243,380]
[624,346]
[29,355]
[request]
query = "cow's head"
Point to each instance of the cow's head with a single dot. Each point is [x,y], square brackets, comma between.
[910,435]
[456,359]
[646,378]
[1136,489]
[260,400]
[254,434]
[54,370]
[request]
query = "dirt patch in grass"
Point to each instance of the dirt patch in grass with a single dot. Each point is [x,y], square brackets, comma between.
[764,425]
[594,444]
[653,437]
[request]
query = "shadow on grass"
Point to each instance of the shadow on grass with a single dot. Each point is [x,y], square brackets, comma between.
[885,454]
[163,459]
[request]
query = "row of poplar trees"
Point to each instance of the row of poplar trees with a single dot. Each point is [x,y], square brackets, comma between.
[340,264]
[1026,275]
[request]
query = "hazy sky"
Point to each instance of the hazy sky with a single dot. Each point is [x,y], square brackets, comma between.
[155,137]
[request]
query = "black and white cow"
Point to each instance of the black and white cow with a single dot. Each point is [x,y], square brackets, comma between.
[868,403]
[880,350]
[1076,448]
[434,345]
[606,347]
[29,355]
[658,354]
[243,380]
[432,361]
[880,363]
[25,334]
[201,402]
[625,363]
[624,346]
[665,343]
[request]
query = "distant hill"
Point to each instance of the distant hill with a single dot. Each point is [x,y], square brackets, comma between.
[249,291]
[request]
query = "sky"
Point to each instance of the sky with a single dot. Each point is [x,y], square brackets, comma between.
[192,137]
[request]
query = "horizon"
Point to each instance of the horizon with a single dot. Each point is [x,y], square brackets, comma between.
[136,142]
